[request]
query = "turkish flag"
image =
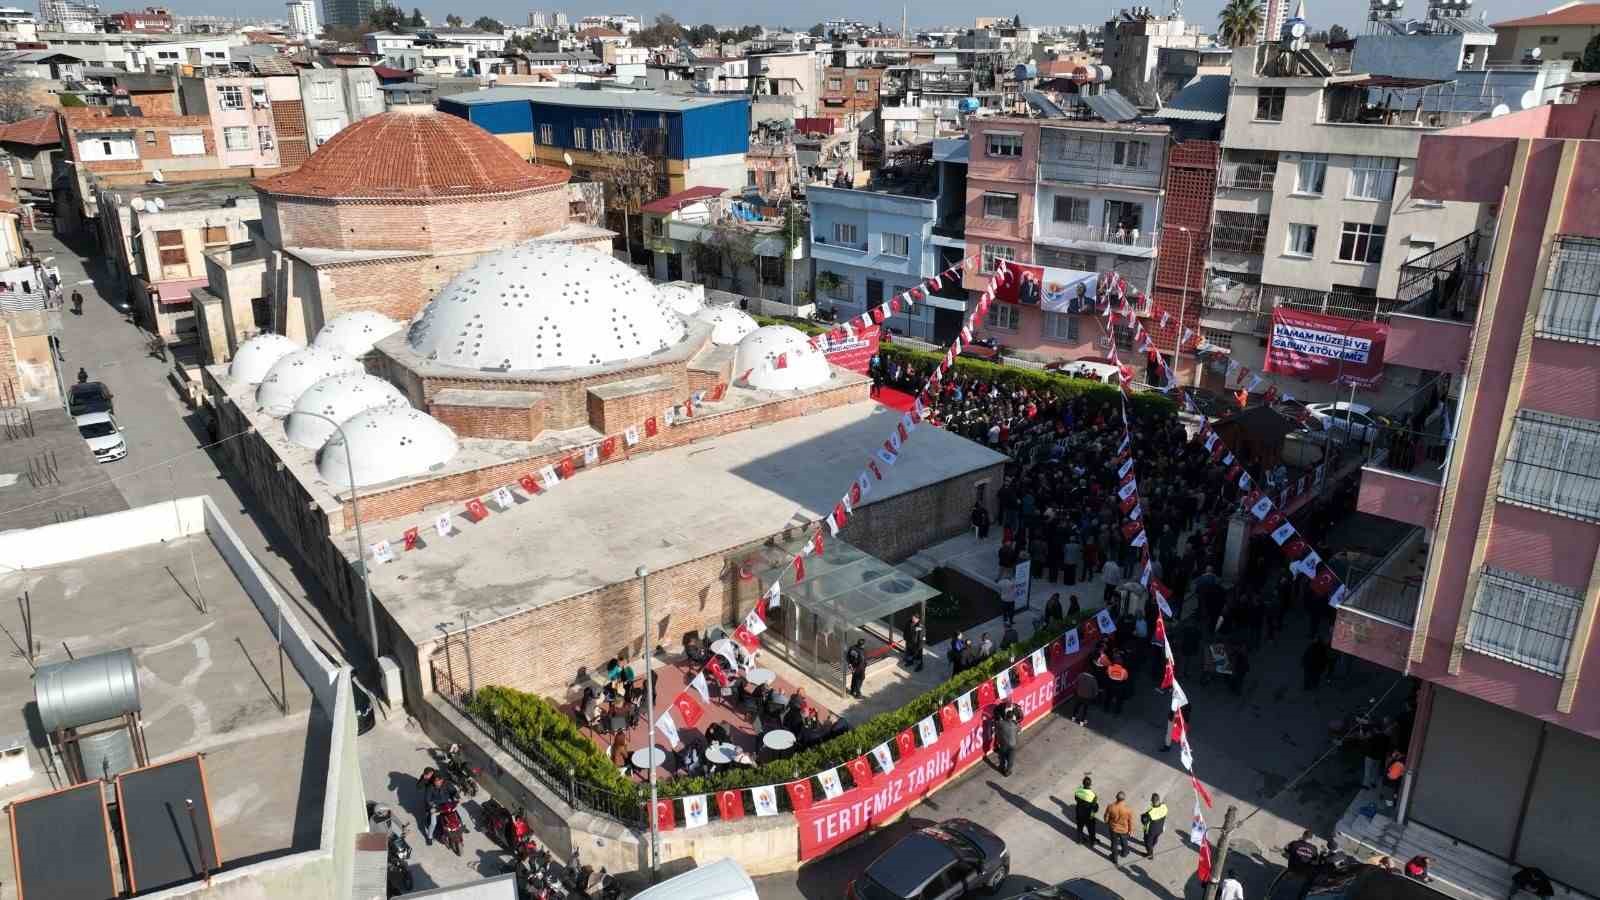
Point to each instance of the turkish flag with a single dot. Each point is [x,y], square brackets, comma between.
[1168,676]
[689,709]
[1295,547]
[730,805]
[477,510]
[901,427]
[986,693]
[877,314]
[906,743]
[1130,503]
[800,567]
[718,392]
[1024,672]
[714,666]
[743,636]
[782,362]
[1203,872]
[1161,630]
[876,472]
[688,407]
[566,468]
[855,494]
[816,547]
[839,515]
[412,537]
[1325,581]
[608,447]
[799,794]
[761,608]
[1130,530]
[664,817]
[948,717]
[1177,728]
[894,302]
[860,771]
[529,484]
[1272,522]
[1233,472]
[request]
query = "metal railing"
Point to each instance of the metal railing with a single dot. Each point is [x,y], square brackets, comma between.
[1523,620]
[563,782]
[1248,176]
[1234,239]
[1385,596]
[1101,234]
[1446,282]
[1552,464]
[1570,307]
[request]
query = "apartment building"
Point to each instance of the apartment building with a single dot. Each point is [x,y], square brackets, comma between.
[240,111]
[1559,33]
[104,148]
[332,98]
[1070,196]
[1507,547]
[871,243]
[850,93]
[708,236]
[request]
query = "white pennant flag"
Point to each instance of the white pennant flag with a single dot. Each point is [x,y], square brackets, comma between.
[894,440]
[442,526]
[1179,698]
[1069,642]
[1211,440]
[1127,490]
[1002,684]
[1197,825]
[865,483]
[1227,458]
[754,624]
[1161,602]
[964,707]
[1185,754]
[503,499]
[1146,573]
[831,786]
[1135,513]
[1108,625]
[668,728]
[382,552]
[1307,565]
[1036,662]
[884,757]
[1261,508]
[833,526]
[887,457]
[905,420]
[1282,533]
[927,731]
[591,456]
[1125,468]
[775,593]
[630,435]
[548,477]
[701,687]
[694,811]
[1337,598]
[765,800]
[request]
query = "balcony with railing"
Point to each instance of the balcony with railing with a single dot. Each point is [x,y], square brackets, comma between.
[1436,305]
[1384,588]
[1102,238]
[1404,470]
[1247,176]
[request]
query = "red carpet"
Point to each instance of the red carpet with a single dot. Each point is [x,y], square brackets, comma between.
[894,399]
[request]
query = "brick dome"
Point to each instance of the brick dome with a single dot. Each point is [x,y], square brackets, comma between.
[412,156]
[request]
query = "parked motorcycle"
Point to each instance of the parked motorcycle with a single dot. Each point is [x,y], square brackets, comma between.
[453,763]
[400,879]
[449,830]
[588,883]
[510,830]
[535,876]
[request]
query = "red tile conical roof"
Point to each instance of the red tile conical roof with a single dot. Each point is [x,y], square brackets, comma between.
[412,156]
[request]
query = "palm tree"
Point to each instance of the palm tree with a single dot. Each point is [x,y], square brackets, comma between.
[1240,22]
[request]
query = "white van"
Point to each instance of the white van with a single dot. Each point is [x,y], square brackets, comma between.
[1105,373]
[722,880]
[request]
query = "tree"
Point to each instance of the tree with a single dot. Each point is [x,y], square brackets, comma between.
[453,20]
[417,21]
[1239,23]
[665,30]
[815,30]
[1591,56]
[628,173]
[386,17]
[16,103]
[488,23]
[1336,33]
[703,33]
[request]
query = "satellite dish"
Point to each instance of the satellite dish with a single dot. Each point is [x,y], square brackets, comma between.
[1298,29]
[567,158]
[1529,100]
[157,177]
[1535,53]
[160,203]
[1499,110]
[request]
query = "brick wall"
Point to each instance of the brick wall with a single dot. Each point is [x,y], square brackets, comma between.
[615,414]
[1191,191]
[289,121]
[567,401]
[444,227]
[487,420]
[397,288]
[411,498]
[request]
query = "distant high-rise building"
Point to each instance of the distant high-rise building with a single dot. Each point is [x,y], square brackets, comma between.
[303,18]
[68,15]
[1273,14]
[347,13]
[538,18]
[561,20]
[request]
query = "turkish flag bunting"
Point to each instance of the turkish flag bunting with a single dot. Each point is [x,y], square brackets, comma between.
[948,717]
[1130,530]
[1177,728]
[1161,630]
[714,667]
[529,484]
[901,427]
[1130,503]
[1273,521]
[782,362]
[877,314]
[816,547]
[860,771]
[1203,870]
[1233,472]
[477,510]
[1167,675]
[689,709]
[730,805]
[986,693]
[608,447]
[894,303]
[1200,790]
[743,636]
[855,494]
[839,515]
[799,568]
[664,817]
[905,742]
[650,427]
[718,392]
[1324,581]
[412,538]
[876,472]
[567,467]
[1295,547]
[799,794]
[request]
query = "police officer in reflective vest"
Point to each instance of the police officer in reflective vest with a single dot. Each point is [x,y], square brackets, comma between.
[1087,804]
[1155,821]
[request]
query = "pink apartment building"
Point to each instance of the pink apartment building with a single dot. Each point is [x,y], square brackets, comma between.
[1505,753]
[241,117]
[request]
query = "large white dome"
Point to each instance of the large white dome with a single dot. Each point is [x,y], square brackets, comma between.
[804,365]
[256,356]
[728,325]
[544,306]
[384,444]
[290,376]
[681,297]
[355,333]
[339,398]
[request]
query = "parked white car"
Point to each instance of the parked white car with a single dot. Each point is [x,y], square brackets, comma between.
[1353,419]
[103,435]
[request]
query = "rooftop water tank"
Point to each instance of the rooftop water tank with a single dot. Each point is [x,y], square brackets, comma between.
[89,689]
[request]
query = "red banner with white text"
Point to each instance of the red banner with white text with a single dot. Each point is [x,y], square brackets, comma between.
[831,822]
[1326,348]
[853,352]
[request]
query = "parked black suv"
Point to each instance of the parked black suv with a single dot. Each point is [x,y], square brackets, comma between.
[941,862]
[89,397]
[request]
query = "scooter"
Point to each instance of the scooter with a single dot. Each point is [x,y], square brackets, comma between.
[510,830]
[454,766]
[400,879]
[587,883]
[449,829]
[534,877]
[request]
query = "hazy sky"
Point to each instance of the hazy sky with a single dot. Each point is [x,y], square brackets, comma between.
[1349,13]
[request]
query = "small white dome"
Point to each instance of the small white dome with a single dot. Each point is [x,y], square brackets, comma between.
[728,324]
[339,398]
[355,333]
[682,297]
[386,443]
[290,376]
[256,356]
[804,365]
[544,306]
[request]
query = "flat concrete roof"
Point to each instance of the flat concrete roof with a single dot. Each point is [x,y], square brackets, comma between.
[208,683]
[51,475]
[647,100]
[658,510]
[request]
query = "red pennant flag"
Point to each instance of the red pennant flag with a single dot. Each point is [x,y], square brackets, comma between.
[1161,630]
[650,425]
[1160,589]
[1273,521]
[714,668]
[782,362]
[689,709]
[948,717]
[530,484]
[718,391]
[1024,672]
[746,376]
[905,742]
[664,817]
[608,447]
[901,427]
[1295,547]
[855,494]
[1325,581]
[918,294]
[1233,473]
[567,467]
[986,693]
[730,805]
[894,302]
[1200,791]
[1177,728]
[412,537]
[876,472]
[839,515]
[1130,530]
[860,771]
[761,608]
[476,510]
[877,314]
[688,407]
[750,641]
[1203,870]
[799,794]
[816,547]
[1130,503]
[1168,676]
[799,568]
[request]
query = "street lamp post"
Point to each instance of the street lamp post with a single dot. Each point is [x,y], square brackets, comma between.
[361,543]
[1183,299]
[650,724]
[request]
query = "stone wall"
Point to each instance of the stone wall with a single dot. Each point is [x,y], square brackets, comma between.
[476,223]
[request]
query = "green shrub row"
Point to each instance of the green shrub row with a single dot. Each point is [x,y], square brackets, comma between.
[545,731]
[1144,403]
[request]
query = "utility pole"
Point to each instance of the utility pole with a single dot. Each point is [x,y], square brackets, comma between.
[1219,864]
